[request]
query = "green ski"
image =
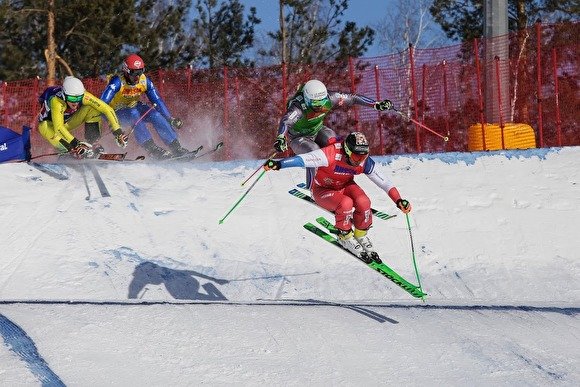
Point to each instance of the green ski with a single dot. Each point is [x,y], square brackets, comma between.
[383,269]
[308,198]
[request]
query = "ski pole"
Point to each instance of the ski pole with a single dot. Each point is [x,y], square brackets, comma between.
[134,124]
[141,118]
[413,253]
[445,138]
[43,155]
[256,171]
[243,196]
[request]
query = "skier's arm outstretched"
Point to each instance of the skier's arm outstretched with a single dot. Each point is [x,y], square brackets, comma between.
[340,99]
[313,159]
[295,110]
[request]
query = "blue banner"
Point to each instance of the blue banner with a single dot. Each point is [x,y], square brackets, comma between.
[14,146]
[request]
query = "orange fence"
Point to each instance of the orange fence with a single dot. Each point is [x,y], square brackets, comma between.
[442,91]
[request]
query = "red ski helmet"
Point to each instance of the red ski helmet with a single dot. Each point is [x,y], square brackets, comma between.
[133,67]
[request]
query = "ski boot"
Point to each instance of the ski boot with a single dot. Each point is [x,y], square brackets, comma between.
[348,242]
[155,151]
[97,150]
[177,150]
[362,238]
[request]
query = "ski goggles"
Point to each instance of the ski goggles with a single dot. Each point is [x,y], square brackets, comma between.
[74,98]
[356,158]
[318,103]
[136,72]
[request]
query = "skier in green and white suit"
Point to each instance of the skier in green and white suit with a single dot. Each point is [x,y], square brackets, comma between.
[302,126]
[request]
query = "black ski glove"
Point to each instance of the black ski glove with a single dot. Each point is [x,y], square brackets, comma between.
[273,165]
[281,145]
[121,138]
[404,205]
[80,149]
[383,105]
[176,123]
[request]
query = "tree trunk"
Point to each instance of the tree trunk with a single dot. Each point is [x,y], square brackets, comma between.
[522,62]
[50,53]
[283,32]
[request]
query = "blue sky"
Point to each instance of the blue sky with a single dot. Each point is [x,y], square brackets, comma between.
[363,12]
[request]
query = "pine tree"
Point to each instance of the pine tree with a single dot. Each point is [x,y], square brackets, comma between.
[222,34]
[463,20]
[92,37]
[315,32]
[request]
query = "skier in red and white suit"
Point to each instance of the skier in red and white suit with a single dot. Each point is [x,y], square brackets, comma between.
[334,187]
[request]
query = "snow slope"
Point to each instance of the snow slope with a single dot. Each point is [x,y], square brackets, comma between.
[146,288]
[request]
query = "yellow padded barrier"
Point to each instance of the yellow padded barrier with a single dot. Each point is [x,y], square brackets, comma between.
[516,136]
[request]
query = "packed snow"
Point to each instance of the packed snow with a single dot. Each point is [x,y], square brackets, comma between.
[145,287]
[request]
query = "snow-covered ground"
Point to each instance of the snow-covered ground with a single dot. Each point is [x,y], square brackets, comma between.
[146,288]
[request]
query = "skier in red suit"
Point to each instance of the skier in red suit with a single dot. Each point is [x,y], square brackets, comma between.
[334,187]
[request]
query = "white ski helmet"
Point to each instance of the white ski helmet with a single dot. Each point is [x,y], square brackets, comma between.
[73,87]
[314,90]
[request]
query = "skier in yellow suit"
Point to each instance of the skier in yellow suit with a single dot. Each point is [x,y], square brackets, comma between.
[66,107]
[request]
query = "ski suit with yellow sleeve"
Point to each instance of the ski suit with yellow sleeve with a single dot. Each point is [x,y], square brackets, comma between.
[57,119]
